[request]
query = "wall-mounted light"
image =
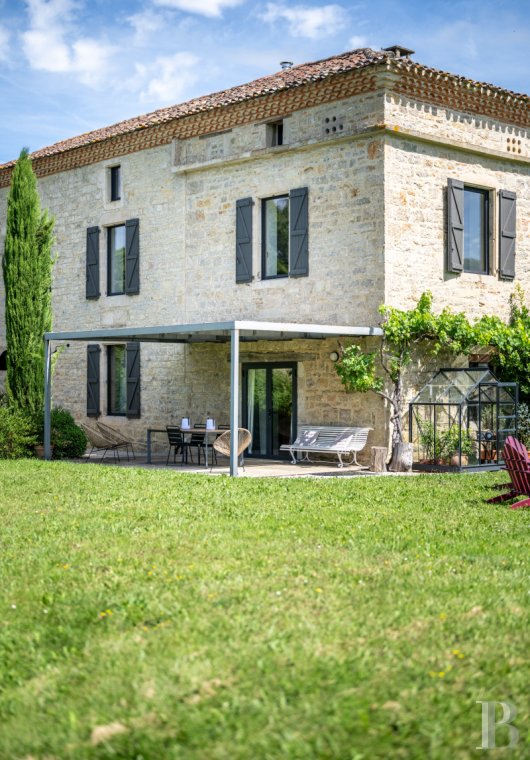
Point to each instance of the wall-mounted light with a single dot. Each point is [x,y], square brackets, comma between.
[334,356]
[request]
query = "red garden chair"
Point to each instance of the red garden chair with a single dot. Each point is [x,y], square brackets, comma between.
[518,467]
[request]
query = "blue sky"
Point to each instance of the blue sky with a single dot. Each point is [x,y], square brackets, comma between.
[69,66]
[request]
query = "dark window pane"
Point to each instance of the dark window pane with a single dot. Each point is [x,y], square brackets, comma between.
[276,236]
[115,183]
[117,259]
[475,230]
[117,380]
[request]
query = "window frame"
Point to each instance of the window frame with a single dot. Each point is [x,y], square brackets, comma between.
[486,233]
[275,133]
[264,275]
[115,186]
[109,229]
[110,356]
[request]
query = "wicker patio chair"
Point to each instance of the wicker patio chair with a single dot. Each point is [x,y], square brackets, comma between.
[101,442]
[223,442]
[116,436]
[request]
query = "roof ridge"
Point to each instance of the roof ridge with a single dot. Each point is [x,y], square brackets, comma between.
[282,80]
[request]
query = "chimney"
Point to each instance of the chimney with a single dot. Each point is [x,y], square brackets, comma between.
[286,65]
[398,51]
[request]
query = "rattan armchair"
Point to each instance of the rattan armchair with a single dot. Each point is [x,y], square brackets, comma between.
[222,444]
[116,436]
[101,442]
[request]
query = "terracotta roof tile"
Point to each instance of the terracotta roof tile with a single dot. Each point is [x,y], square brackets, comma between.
[281,80]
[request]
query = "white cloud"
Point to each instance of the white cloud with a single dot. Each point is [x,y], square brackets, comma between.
[52,43]
[357,41]
[145,24]
[167,79]
[202,7]
[4,43]
[304,21]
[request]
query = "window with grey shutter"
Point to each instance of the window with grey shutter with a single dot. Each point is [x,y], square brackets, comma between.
[244,240]
[298,228]
[507,201]
[455,225]
[133,379]
[92,386]
[92,262]
[132,256]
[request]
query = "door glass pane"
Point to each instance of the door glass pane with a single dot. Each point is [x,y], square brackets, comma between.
[257,411]
[282,401]
[117,380]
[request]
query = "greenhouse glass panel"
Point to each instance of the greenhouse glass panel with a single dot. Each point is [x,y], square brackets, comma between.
[461,418]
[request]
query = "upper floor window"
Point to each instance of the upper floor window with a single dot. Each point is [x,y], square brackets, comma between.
[284,236]
[276,237]
[115,183]
[123,259]
[275,133]
[476,230]
[470,230]
[116,259]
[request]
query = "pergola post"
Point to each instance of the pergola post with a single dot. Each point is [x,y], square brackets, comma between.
[234,400]
[47,399]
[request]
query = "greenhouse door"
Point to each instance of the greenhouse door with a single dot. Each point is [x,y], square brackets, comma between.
[498,418]
[269,407]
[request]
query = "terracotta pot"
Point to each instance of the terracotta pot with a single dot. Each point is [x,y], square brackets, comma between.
[39,451]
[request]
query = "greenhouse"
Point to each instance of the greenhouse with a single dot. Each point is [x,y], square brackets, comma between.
[460,419]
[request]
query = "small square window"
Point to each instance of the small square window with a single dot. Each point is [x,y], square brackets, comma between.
[117,379]
[276,237]
[115,183]
[476,230]
[275,134]
[116,259]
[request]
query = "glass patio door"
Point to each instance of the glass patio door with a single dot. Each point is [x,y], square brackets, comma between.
[269,407]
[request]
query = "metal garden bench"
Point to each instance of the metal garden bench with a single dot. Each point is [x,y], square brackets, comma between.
[324,439]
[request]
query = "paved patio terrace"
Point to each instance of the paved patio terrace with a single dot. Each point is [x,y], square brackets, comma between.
[254,468]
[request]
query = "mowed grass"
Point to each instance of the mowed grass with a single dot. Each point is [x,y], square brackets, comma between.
[209,618]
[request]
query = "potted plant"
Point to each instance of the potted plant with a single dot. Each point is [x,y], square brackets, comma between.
[457,446]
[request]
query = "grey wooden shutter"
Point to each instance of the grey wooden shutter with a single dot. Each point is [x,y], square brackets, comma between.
[133,379]
[132,256]
[92,262]
[455,225]
[92,385]
[244,240]
[298,233]
[507,201]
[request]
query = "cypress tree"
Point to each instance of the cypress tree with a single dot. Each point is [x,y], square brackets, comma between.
[27,270]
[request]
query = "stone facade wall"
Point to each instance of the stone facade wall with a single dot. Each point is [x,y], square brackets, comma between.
[415,228]
[439,122]
[377,217]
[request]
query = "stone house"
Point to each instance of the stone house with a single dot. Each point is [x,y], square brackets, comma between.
[300,201]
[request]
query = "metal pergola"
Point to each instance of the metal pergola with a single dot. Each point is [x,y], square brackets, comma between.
[233,332]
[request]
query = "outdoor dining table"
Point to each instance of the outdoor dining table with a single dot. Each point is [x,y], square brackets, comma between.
[185,431]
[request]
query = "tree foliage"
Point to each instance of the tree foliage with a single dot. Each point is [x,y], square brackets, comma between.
[405,331]
[27,270]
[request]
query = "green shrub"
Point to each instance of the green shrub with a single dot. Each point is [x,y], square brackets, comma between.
[17,434]
[68,439]
[523,424]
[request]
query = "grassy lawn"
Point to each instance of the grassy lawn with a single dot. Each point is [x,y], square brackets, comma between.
[156,615]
